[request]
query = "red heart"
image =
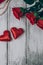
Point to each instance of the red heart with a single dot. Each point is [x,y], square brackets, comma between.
[40,23]
[31,17]
[2,1]
[17,32]
[17,12]
[6,36]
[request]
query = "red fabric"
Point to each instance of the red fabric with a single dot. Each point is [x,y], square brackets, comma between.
[17,13]
[6,36]
[2,1]
[31,17]
[17,32]
[40,23]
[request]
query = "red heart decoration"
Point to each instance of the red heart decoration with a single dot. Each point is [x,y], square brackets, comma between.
[17,12]
[31,17]
[40,23]
[6,36]
[2,1]
[17,32]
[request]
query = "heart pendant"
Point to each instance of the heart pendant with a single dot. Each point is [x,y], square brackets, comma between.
[40,23]
[17,12]
[17,32]
[6,36]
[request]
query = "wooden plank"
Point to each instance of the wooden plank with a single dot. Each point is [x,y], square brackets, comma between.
[35,45]
[17,47]
[3,45]
[34,41]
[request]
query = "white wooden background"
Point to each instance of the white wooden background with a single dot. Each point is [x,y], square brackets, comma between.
[27,47]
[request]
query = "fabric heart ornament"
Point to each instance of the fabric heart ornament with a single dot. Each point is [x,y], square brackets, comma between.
[17,32]
[1,1]
[40,23]
[18,12]
[6,36]
[31,17]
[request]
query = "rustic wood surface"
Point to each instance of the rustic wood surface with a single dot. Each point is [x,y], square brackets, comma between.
[27,49]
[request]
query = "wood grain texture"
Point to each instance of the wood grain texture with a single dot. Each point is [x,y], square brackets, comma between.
[3,45]
[34,41]
[17,47]
[35,44]
[26,49]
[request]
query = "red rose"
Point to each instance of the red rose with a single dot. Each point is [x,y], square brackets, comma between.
[31,17]
[2,1]
[40,23]
[17,12]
